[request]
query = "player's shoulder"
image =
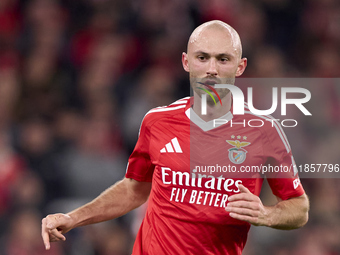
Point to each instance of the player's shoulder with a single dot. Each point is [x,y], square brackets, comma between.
[269,126]
[167,111]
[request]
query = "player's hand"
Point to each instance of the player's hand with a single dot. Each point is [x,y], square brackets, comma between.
[247,207]
[54,226]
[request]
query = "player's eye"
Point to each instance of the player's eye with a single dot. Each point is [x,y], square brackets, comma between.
[201,58]
[224,59]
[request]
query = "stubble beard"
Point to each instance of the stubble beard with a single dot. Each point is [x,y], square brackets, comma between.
[196,82]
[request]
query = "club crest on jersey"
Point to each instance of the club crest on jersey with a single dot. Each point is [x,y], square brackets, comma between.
[237,154]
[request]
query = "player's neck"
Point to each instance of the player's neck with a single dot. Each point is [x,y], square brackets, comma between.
[214,111]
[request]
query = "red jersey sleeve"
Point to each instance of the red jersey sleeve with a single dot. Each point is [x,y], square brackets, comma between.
[282,178]
[139,165]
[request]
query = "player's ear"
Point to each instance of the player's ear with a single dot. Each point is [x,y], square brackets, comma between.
[185,61]
[241,66]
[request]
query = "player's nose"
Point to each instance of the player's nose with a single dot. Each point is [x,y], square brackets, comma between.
[212,68]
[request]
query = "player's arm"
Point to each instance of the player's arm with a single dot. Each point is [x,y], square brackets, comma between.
[114,202]
[286,214]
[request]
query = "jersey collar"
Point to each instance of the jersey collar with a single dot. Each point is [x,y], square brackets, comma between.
[205,125]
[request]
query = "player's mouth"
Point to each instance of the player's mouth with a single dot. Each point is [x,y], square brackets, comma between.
[209,82]
[207,85]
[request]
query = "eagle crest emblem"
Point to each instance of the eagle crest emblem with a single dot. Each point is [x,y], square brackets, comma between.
[237,154]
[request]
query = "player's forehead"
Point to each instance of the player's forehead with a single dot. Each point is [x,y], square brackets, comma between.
[215,37]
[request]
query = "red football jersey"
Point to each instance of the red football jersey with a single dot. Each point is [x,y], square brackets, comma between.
[194,167]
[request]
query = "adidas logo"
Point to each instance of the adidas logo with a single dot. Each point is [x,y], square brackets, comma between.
[173,146]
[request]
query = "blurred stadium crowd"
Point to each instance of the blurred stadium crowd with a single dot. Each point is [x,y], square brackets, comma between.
[77,77]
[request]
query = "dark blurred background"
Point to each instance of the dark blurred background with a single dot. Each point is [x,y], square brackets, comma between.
[77,77]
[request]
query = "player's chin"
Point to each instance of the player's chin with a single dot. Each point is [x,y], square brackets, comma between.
[199,92]
[223,92]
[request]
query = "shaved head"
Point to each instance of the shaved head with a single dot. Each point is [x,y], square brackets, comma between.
[230,32]
[214,56]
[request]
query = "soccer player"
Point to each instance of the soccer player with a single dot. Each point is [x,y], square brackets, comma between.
[190,210]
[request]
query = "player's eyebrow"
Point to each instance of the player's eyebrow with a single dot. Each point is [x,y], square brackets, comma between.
[201,53]
[224,55]
[221,55]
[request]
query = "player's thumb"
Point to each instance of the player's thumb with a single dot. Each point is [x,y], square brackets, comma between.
[243,189]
